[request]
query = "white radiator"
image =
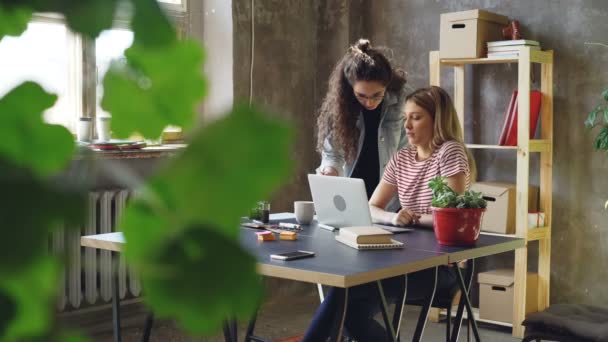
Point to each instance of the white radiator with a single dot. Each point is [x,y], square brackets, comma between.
[88,274]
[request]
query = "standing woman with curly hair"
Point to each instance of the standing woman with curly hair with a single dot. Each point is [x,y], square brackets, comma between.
[360,125]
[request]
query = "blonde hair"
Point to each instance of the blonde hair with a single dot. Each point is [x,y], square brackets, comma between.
[446,126]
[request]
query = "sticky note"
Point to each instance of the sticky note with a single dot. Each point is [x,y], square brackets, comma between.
[265,236]
[288,236]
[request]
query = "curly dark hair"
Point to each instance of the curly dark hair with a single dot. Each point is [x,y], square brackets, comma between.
[340,109]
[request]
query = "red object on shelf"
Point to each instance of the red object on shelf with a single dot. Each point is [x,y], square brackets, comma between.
[457,227]
[508,135]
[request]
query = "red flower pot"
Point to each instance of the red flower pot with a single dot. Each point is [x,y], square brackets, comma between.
[457,227]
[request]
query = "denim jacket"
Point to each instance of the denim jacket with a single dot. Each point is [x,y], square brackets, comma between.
[391,138]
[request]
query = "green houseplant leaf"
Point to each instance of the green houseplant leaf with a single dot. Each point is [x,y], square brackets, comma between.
[31,292]
[27,140]
[88,17]
[198,200]
[13,20]
[32,210]
[159,86]
[186,280]
[445,197]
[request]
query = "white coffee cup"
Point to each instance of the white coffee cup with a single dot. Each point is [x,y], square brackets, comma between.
[304,210]
[102,123]
[83,129]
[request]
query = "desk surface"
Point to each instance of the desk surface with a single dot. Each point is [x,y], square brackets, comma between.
[336,264]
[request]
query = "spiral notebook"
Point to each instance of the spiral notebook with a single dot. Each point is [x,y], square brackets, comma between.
[349,242]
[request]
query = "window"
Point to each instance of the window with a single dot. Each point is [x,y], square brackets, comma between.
[46,53]
[110,45]
[49,54]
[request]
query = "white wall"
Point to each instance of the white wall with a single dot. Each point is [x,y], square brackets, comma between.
[211,22]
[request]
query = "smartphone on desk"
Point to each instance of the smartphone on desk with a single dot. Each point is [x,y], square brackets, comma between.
[292,255]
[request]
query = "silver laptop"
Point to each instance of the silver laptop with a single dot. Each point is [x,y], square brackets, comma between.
[342,202]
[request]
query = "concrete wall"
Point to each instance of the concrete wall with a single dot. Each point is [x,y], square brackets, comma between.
[298,41]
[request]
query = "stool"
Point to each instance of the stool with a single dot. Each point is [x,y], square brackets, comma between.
[568,323]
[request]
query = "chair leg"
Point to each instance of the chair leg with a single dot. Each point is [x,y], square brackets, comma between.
[448,318]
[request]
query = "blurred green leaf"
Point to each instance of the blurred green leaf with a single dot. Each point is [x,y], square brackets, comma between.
[187,219]
[26,139]
[159,34]
[8,311]
[445,197]
[13,20]
[230,165]
[605,94]
[601,141]
[159,86]
[32,210]
[590,122]
[33,290]
[188,279]
[88,17]
[146,230]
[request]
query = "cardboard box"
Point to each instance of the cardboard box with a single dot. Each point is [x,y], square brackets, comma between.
[500,216]
[496,295]
[465,34]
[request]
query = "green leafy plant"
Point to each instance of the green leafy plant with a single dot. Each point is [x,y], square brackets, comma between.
[182,230]
[599,117]
[445,197]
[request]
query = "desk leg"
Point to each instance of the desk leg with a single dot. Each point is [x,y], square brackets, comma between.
[115,298]
[399,307]
[459,312]
[424,312]
[336,334]
[148,327]
[465,298]
[387,322]
[230,334]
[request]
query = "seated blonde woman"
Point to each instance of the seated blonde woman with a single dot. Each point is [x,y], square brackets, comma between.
[435,149]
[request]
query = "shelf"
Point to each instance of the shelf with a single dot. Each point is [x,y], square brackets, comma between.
[538,233]
[536,145]
[491,147]
[463,61]
[543,57]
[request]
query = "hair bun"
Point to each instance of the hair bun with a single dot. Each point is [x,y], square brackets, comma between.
[363,44]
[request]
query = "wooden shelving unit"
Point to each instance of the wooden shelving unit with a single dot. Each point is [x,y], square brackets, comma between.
[525,146]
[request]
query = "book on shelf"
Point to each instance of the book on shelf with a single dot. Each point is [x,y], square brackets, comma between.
[513,42]
[508,135]
[503,55]
[366,234]
[351,243]
[511,48]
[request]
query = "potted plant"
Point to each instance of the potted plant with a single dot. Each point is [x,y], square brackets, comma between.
[456,218]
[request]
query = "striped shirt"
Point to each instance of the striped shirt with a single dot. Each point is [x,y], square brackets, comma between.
[412,177]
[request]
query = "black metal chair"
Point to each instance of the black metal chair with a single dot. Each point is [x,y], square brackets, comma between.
[567,323]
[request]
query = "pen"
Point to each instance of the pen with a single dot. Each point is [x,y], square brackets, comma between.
[324,226]
[289,225]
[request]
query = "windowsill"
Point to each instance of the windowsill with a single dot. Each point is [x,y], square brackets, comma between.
[159,151]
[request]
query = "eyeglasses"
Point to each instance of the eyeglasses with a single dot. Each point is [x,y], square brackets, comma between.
[376,98]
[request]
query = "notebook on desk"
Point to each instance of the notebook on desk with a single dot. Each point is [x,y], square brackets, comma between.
[391,245]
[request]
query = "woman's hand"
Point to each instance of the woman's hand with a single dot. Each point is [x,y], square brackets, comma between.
[328,171]
[404,217]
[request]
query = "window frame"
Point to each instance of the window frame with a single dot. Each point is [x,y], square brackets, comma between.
[82,70]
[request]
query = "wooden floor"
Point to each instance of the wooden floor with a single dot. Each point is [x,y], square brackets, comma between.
[276,321]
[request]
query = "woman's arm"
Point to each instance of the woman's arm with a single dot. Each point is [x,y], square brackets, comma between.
[457,182]
[382,195]
[332,161]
